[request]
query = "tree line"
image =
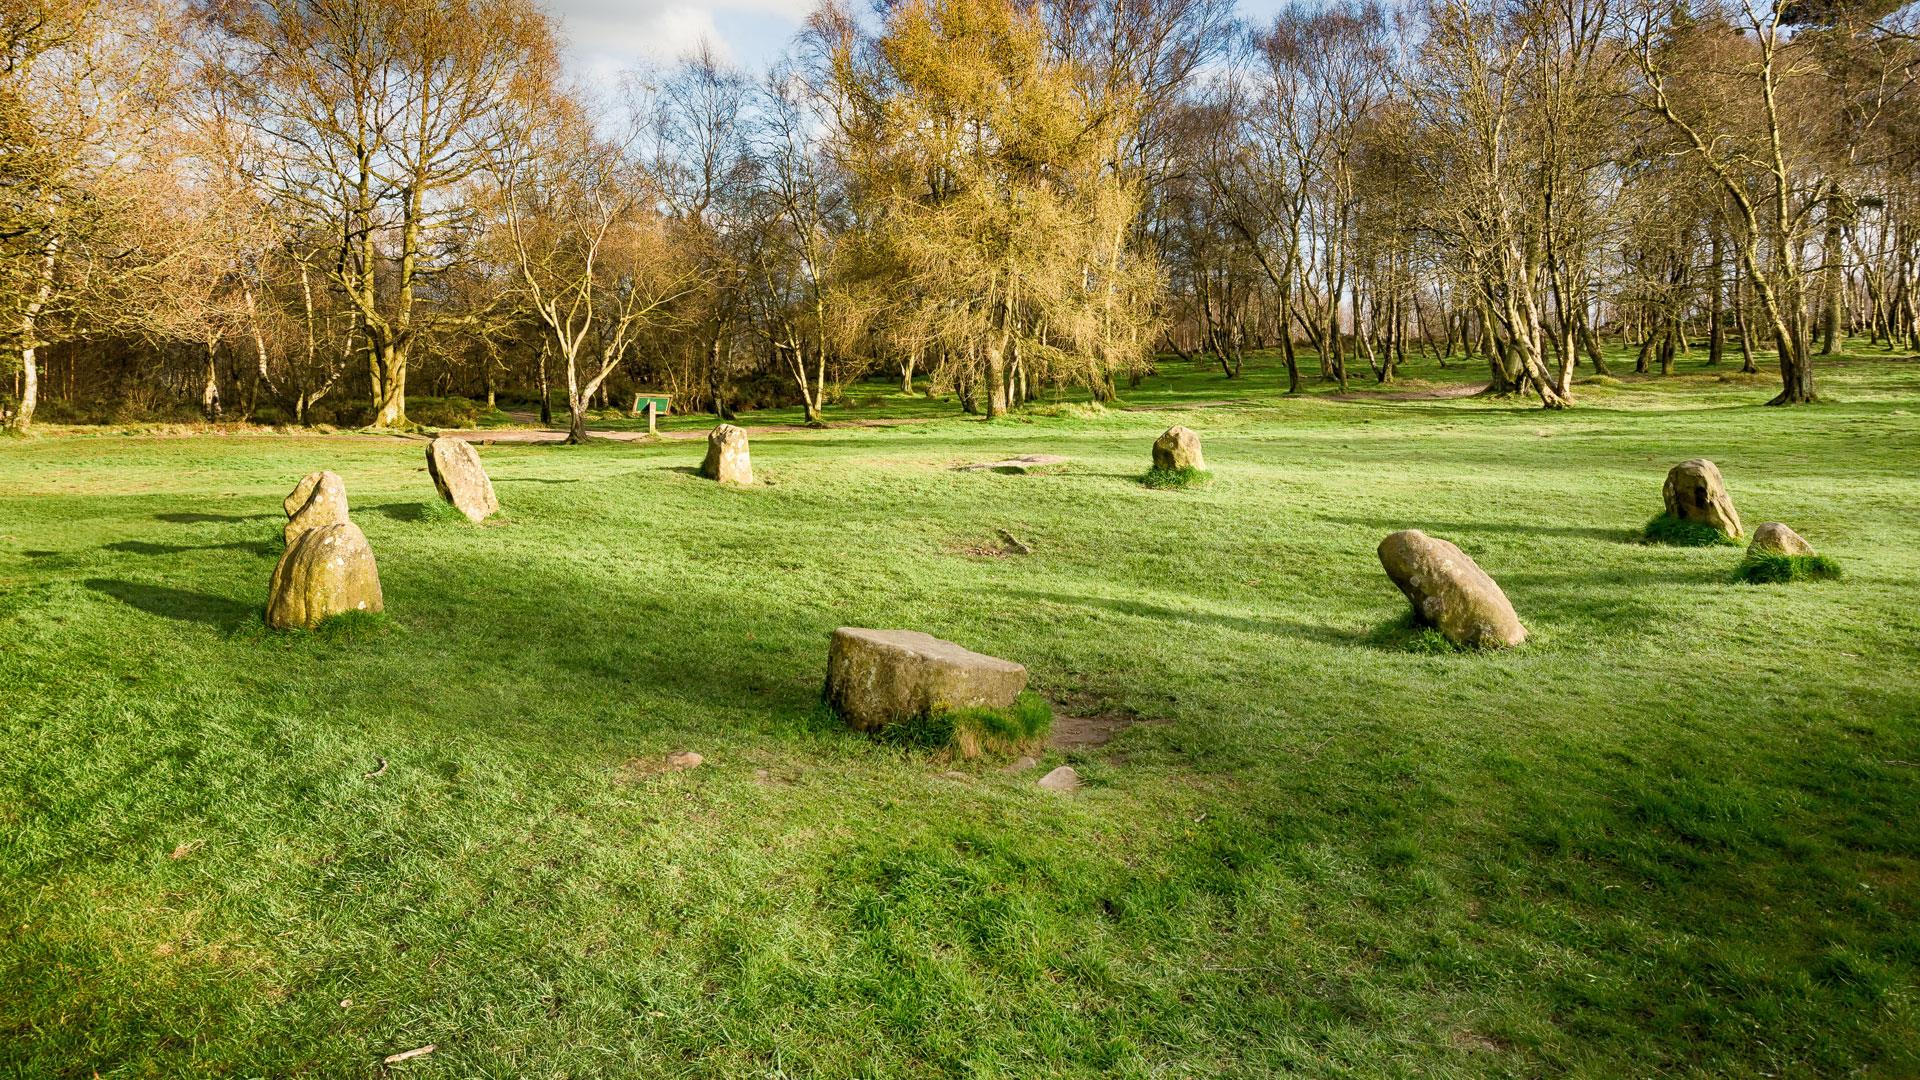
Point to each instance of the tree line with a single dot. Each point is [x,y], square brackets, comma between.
[306,210]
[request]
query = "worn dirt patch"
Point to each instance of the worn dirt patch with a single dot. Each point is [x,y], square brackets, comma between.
[1442,393]
[547,435]
[1082,720]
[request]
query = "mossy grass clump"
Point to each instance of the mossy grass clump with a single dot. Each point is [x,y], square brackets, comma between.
[1678,532]
[1766,568]
[1408,634]
[1175,479]
[441,512]
[1020,728]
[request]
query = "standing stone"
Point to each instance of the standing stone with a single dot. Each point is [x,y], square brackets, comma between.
[302,491]
[880,677]
[455,467]
[727,459]
[322,500]
[326,571]
[1773,538]
[1178,448]
[1695,492]
[1449,591]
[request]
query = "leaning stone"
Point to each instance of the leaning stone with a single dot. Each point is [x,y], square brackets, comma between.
[1178,448]
[1449,591]
[325,571]
[881,677]
[462,481]
[325,504]
[727,459]
[1063,778]
[1695,492]
[1773,538]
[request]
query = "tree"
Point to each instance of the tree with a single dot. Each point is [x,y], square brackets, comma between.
[596,261]
[372,114]
[83,87]
[981,168]
[1741,116]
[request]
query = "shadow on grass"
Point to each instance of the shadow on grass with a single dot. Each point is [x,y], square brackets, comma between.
[1446,528]
[398,511]
[175,603]
[1241,623]
[206,519]
[144,547]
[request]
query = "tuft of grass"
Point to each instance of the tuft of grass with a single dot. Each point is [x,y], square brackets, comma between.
[1410,635]
[353,626]
[1069,410]
[1175,479]
[1020,728]
[1666,529]
[1765,568]
[441,512]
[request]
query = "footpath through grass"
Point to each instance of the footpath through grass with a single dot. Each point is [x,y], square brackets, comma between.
[1674,834]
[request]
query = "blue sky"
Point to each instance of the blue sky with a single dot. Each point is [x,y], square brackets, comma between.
[608,36]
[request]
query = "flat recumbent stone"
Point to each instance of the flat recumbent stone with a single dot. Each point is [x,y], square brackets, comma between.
[881,677]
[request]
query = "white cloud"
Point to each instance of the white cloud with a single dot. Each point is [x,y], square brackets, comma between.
[607,36]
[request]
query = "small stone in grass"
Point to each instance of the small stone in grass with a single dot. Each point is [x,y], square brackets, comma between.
[1022,764]
[1063,778]
[683,759]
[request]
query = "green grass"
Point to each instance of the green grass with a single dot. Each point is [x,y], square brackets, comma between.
[1187,477]
[1671,836]
[1664,528]
[1765,568]
[1020,728]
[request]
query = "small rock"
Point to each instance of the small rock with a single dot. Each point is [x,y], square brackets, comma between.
[1449,591]
[683,759]
[880,677]
[325,571]
[1063,778]
[1178,448]
[1773,538]
[456,470]
[954,774]
[1696,492]
[1021,764]
[727,459]
[324,503]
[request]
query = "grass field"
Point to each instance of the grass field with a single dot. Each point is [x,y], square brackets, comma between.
[1673,835]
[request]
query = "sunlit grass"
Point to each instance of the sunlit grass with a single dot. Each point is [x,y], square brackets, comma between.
[1671,836]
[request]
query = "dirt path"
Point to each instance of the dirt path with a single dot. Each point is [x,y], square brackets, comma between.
[1441,394]
[534,434]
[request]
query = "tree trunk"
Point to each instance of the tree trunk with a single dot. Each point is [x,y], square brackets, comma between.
[996,378]
[1831,336]
[210,393]
[546,390]
[29,338]
[1716,281]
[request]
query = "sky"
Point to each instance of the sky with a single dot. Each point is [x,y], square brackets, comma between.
[606,37]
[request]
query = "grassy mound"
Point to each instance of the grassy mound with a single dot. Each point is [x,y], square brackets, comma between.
[1675,532]
[1761,568]
[1020,728]
[1174,479]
